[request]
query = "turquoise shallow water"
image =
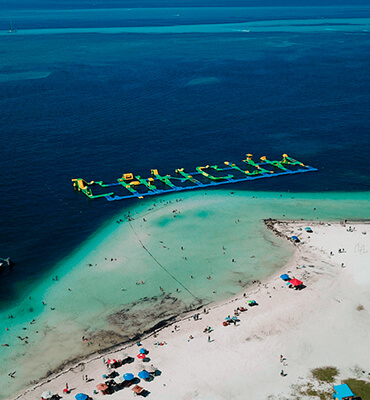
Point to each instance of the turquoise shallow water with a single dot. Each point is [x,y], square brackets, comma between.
[212,227]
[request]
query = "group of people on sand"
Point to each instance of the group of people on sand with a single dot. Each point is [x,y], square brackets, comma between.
[282,361]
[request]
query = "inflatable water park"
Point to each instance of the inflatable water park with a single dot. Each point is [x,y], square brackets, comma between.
[131,186]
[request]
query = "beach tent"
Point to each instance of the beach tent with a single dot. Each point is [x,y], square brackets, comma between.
[118,380]
[127,377]
[295,282]
[143,374]
[343,392]
[284,277]
[151,369]
[47,395]
[137,389]
[81,396]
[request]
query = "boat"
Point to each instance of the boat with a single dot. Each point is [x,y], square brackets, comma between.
[5,262]
[11,29]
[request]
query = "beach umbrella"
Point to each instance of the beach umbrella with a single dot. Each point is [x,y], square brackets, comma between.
[141,356]
[284,277]
[47,395]
[295,238]
[102,386]
[235,318]
[227,319]
[143,374]
[128,376]
[81,396]
[142,351]
[118,379]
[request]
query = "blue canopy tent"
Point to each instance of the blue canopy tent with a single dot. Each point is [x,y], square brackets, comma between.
[343,392]
[143,374]
[81,396]
[285,277]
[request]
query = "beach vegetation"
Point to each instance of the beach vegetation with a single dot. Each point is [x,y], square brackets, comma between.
[325,374]
[309,390]
[359,387]
[360,307]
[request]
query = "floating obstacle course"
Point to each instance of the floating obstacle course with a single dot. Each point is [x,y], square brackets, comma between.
[204,176]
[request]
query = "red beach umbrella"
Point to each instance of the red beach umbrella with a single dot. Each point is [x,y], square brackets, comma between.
[141,356]
[102,386]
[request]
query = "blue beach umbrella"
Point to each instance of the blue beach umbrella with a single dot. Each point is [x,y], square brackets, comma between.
[128,377]
[234,318]
[144,374]
[81,396]
[142,350]
[284,277]
[227,319]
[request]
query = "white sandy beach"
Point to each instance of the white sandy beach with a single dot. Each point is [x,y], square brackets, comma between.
[326,323]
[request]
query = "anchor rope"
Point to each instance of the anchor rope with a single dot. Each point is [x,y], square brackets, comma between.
[162,266]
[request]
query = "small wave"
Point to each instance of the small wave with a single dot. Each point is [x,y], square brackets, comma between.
[203,81]
[22,76]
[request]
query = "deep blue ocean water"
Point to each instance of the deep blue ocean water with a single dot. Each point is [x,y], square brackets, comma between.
[96,106]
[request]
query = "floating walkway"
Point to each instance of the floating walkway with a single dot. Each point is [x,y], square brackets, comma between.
[205,176]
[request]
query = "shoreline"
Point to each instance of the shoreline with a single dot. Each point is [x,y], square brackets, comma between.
[181,319]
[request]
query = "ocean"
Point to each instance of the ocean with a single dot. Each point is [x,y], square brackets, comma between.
[97,91]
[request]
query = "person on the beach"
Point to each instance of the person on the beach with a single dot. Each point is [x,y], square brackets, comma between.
[282,373]
[281,358]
